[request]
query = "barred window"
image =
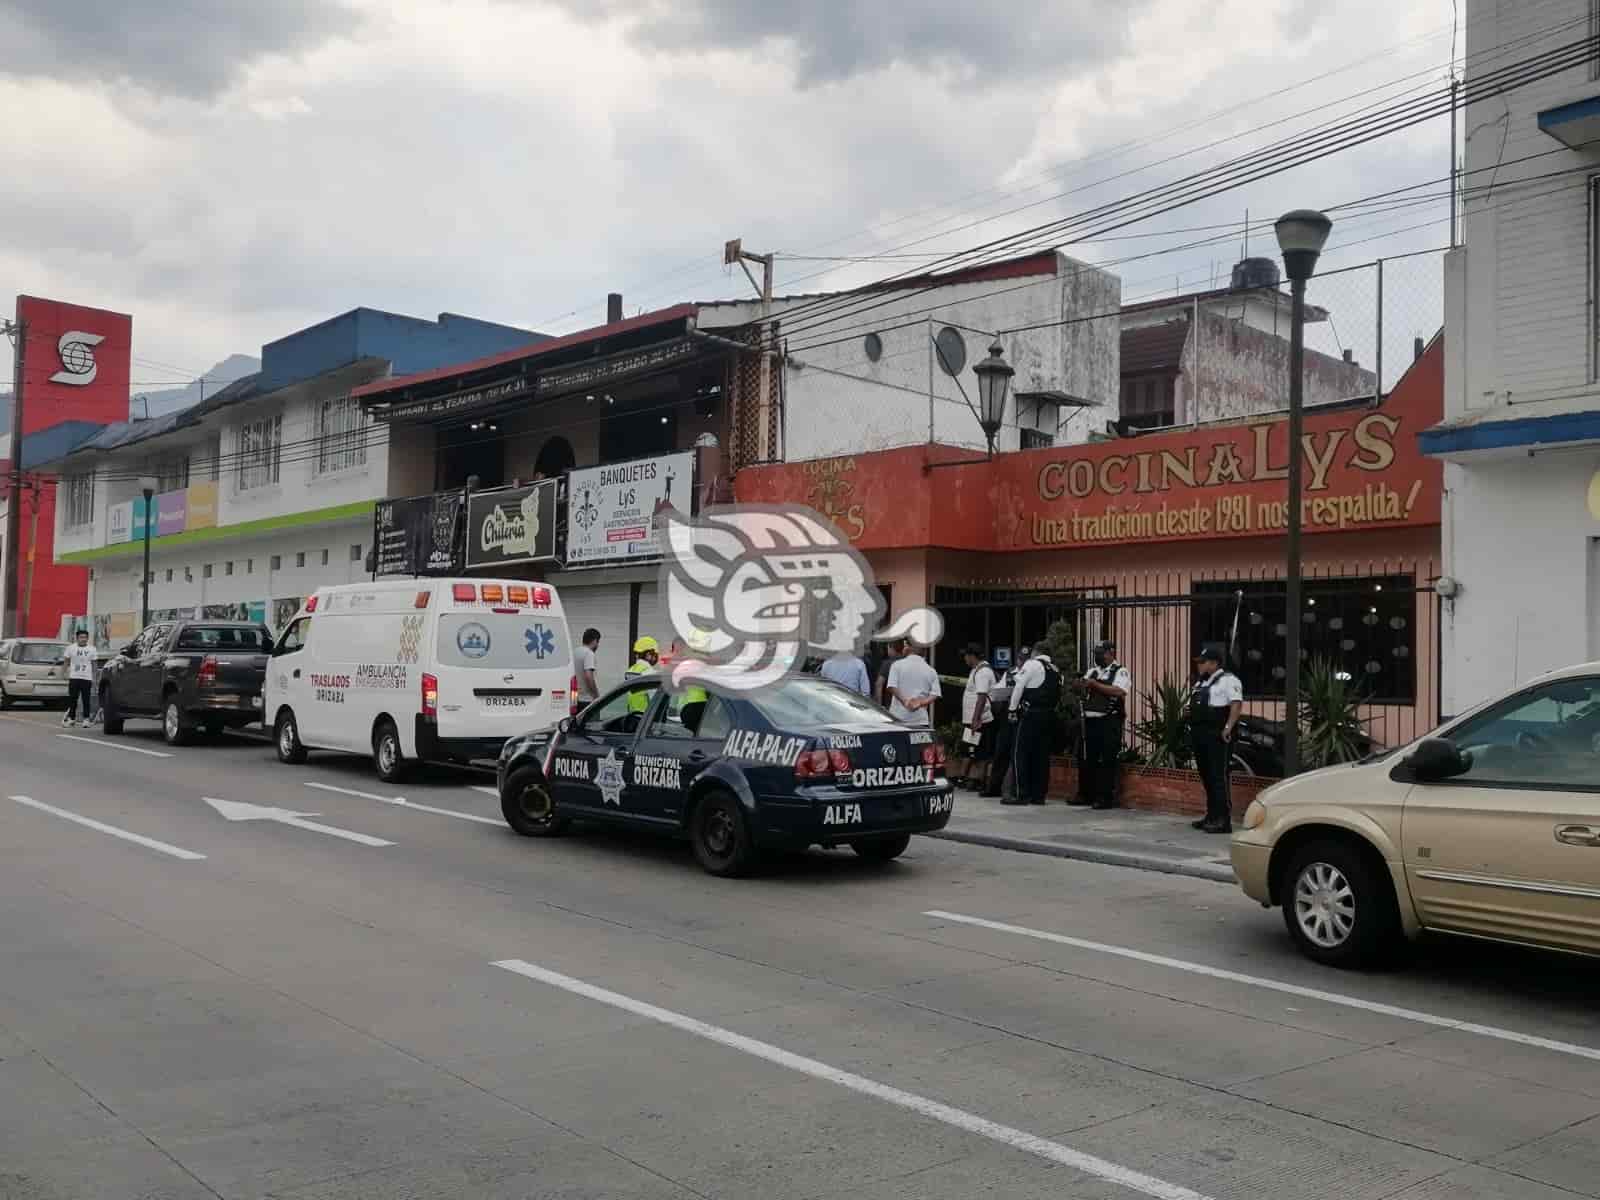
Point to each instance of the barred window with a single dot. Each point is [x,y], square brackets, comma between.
[341,435]
[171,474]
[79,492]
[260,451]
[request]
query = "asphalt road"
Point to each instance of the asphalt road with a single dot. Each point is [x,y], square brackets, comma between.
[393,1002]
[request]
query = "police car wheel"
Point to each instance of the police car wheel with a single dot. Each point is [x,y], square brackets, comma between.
[882,849]
[721,836]
[528,805]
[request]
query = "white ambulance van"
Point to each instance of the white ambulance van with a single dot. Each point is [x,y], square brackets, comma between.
[419,670]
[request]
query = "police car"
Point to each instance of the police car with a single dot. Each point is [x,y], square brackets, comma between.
[801,763]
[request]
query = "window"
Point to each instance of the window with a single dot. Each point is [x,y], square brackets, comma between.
[40,653]
[809,702]
[150,577]
[249,566]
[355,552]
[213,459]
[1545,736]
[341,435]
[171,474]
[300,558]
[260,450]
[79,490]
[681,718]
[1366,626]
[275,563]
[205,571]
[1149,401]
[1037,439]
[324,558]
[227,567]
[223,637]
[294,638]
[614,715]
[169,574]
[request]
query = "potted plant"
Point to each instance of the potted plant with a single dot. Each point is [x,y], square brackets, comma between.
[1164,734]
[1330,729]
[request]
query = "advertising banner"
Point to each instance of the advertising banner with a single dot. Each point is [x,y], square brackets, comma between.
[513,525]
[171,509]
[75,364]
[119,523]
[417,536]
[123,625]
[136,526]
[611,510]
[202,506]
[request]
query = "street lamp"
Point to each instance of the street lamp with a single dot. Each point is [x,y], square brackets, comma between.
[994,381]
[147,485]
[1301,236]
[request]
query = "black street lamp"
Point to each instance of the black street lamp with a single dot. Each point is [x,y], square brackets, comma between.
[147,485]
[994,381]
[1301,236]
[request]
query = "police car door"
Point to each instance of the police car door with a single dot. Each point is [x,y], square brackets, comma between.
[683,738]
[590,768]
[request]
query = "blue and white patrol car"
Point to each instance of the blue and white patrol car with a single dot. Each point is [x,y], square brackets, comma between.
[801,763]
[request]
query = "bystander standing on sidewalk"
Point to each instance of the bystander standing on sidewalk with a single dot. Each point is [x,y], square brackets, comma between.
[847,669]
[913,687]
[880,677]
[588,681]
[977,721]
[80,680]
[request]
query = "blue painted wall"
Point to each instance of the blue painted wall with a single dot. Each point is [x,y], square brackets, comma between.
[409,343]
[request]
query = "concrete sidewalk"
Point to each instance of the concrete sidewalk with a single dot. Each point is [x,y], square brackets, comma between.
[1121,837]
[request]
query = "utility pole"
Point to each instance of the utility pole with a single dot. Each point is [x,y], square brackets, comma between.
[33,553]
[18,333]
[734,252]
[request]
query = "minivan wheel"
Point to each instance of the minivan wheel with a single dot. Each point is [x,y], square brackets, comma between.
[721,836]
[387,757]
[175,724]
[286,737]
[1338,909]
[529,806]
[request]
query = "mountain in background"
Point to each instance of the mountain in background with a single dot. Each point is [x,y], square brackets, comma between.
[235,366]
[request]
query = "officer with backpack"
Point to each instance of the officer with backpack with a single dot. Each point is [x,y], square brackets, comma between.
[1033,711]
[1105,687]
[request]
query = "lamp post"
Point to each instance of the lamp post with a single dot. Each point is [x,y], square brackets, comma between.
[994,381]
[1301,235]
[147,485]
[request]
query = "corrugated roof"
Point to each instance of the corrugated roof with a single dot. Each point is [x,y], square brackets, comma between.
[1154,347]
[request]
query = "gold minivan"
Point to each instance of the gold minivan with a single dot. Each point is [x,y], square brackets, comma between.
[1488,827]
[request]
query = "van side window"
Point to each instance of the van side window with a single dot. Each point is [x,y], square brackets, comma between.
[294,638]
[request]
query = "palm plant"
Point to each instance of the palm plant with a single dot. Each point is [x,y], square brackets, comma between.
[1330,729]
[1164,734]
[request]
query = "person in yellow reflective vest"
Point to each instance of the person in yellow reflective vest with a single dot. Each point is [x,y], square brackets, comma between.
[693,706]
[648,654]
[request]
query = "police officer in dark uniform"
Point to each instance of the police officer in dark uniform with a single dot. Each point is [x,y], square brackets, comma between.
[1213,712]
[1104,687]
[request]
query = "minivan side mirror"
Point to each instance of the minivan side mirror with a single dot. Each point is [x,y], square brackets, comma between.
[1435,759]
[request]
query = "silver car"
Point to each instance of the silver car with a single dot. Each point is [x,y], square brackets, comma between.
[32,669]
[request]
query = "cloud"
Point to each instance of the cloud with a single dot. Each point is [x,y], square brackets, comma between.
[839,39]
[189,48]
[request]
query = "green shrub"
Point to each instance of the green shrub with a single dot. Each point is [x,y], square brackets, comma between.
[1164,734]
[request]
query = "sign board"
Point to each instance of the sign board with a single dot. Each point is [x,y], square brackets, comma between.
[417,536]
[136,526]
[516,388]
[171,510]
[602,371]
[611,510]
[119,523]
[202,506]
[512,525]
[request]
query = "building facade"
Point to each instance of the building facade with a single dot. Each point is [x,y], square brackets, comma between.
[1520,439]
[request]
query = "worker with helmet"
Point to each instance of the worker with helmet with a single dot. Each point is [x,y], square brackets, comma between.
[693,705]
[1104,688]
[646,655]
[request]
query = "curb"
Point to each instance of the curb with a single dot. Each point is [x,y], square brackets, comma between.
[1111,858]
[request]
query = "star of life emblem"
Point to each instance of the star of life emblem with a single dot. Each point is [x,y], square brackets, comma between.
[609,779]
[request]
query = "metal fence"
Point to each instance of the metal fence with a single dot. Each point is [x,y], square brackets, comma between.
[1375,621]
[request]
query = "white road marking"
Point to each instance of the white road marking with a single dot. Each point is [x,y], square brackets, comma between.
[1292,989]
[402,802]
[235,811]
[114,745]
[1017,1139]
[101,826]
[486,790]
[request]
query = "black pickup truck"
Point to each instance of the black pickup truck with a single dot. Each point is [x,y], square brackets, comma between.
[189,675]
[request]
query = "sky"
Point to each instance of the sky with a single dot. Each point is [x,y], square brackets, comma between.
[231,173]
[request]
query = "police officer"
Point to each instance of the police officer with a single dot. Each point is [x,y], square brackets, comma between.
[1033,707]
[647,654]
[1213,712]
[1004,733]
[1105,687]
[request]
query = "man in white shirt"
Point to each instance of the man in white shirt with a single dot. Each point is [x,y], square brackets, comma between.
[1033,711]
[977,721]
[1105,688]
[1213,712]
[847,670]
[912,689]
[588,683]
[80,680]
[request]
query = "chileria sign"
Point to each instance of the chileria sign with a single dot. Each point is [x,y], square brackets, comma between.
[1361,465]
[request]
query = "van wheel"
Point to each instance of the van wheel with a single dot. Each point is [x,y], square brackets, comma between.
[110,714]
[286,737]
[529,805]
[882,849]
[721,836]
[175,724]
[387,756]
[1339,910]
